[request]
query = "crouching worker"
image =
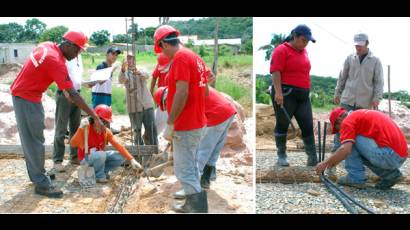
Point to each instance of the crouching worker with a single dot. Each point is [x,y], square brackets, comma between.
[102,161]
[367,138]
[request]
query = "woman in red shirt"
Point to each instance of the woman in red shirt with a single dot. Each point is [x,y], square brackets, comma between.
[290,67]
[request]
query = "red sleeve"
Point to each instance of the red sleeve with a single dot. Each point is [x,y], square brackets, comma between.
[278,60]
[156,73]
[181,70]
[347,130]
[58,71]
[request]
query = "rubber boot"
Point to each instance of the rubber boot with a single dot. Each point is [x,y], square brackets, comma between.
[194,203]
[205,178]
[310,149]
[281,147]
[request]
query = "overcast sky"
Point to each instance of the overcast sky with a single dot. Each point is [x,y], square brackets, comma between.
[115,25]
[334,41]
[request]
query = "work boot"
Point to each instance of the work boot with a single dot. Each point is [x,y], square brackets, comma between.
[385,184]
[102,180]
[180,195]
[345,180]
[74,161]
[50,191]
[310,149]
[194,203]
[281,147]
[58,167]
[205,178]
[213,174]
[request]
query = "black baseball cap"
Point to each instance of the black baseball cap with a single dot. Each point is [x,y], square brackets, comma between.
[305,31]
[114,49]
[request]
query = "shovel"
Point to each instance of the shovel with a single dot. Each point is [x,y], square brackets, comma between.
[86,173]
[157,171]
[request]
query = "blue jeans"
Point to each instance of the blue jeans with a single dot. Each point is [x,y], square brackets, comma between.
[211,144]
[383,161]
[186,169]
[105,161]
[98,99]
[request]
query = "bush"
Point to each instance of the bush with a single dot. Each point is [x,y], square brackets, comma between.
[261,89]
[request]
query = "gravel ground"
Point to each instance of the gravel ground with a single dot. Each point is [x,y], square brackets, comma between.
[315,198]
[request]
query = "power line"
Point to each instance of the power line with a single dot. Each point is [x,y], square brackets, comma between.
[331,34]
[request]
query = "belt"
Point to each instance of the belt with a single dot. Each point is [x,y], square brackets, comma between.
[60,91]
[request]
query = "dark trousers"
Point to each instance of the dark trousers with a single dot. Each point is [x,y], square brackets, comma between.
[147,118]
[297,103]
[69,114]
[30,125]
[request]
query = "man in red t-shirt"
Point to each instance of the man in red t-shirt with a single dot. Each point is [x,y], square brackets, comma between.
[219,113]
[370,138]
[46,64]
[186,109]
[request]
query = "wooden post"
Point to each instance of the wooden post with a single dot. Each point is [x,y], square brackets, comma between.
[388,84]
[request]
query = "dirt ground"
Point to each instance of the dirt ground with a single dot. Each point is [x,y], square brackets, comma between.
[232,192]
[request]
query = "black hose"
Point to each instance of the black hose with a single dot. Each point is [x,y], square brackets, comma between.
[342,199]
[348,196]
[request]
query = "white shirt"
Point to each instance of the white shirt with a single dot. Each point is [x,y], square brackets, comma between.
[75,71]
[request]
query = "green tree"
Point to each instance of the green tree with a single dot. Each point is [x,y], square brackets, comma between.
[100,38]
[54,34]
[150,31]
[248,47]
[121,38]
[11,32]
[276,40]
[33,29]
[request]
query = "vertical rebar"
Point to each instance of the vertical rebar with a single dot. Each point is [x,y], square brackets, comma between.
[318,140]
[324,141]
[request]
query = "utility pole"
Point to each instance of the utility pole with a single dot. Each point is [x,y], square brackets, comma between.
[216,49]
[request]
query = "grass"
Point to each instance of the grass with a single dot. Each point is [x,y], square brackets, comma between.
[238,92]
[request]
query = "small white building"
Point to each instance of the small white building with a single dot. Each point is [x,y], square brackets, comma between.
[15,52]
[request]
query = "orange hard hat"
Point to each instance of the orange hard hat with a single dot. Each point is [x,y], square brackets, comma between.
[160,33]
[159,96]
[104,112]
[78,38]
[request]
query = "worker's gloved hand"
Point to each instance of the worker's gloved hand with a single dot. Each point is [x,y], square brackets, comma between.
[169,132]
[84,122]
[136,166]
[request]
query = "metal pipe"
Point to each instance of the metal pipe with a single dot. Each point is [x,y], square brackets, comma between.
[319,143]
[324,141]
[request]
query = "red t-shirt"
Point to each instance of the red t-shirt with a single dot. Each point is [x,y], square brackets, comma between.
[45,65]
[188,66]
[376,125]
[95,140]
[161,76]
[294,66]
[217,108]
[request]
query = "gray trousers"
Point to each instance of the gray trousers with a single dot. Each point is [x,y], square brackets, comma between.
[147,118]
[30,125]
[66,113]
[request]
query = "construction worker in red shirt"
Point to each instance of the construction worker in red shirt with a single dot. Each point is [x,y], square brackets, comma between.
[290,67]
[186,114]
[159,77]
[102,161]
[369,138]
[220,113]
[46,64]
